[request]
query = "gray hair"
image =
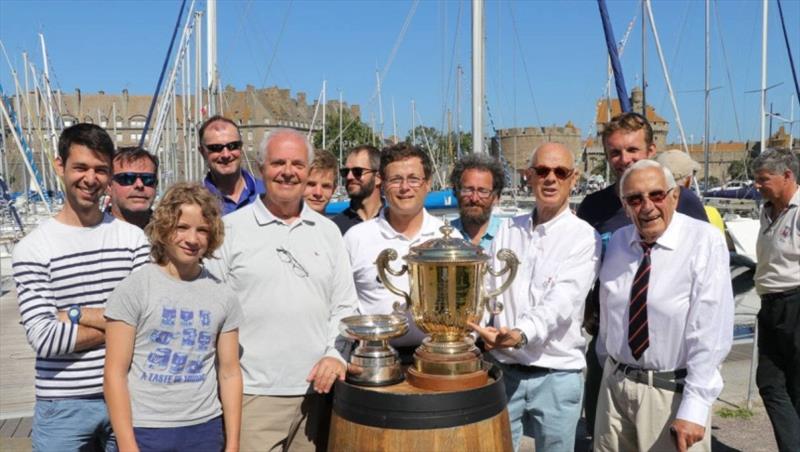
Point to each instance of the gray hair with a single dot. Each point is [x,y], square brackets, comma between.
[776,161]
[644,164]
[482,162]
[261,157]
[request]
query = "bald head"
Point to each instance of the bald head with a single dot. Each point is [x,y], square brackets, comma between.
[555,149]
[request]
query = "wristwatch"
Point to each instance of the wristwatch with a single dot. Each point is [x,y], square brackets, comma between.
[523,339]
[74,314]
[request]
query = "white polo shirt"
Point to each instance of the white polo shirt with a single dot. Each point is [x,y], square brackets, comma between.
[778,249]
[364,242]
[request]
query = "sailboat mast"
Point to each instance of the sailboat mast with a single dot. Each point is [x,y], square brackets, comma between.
[477,76]
[324,114]
[211,51]
[644,63]
[764,11]
[707,114]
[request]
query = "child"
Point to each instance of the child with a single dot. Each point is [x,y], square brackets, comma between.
[167,323]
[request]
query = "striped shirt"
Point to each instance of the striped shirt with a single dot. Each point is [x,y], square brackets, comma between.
[57,266]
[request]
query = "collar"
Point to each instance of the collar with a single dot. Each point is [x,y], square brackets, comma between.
[547,226]
[793,202]
[352,213]
[669,239]
[388,232]
[491,230]
[249,185]
[264,217]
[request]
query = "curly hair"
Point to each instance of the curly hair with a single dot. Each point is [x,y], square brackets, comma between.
[480,162]
[402,151]
[165,219]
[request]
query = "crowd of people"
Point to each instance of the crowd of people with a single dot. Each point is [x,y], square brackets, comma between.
[212,321]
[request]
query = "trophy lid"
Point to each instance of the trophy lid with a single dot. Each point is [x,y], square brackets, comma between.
[446,249]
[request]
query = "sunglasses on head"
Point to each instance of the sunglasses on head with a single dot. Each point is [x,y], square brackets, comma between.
[637,199]
[544,171]
[232,146]
[126,179]
[357,171]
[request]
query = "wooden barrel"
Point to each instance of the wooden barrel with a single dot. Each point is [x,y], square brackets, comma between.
[404,418]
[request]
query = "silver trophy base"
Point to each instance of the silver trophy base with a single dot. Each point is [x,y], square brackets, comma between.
[374,363]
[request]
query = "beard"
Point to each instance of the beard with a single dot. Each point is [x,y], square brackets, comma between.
[475,214]
[362,191]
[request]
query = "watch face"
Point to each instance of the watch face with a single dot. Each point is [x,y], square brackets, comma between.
[73,313]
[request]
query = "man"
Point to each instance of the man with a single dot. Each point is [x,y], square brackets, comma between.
[666,309]
[321,181]
[683,169]
[363,184]
[289,268]
[477,182]
[64,270]
[778,283]
[221,147]
[537,338]
[627,138]
[405,172]
[133,186]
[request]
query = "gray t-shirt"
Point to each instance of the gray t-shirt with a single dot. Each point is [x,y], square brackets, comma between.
[173,379]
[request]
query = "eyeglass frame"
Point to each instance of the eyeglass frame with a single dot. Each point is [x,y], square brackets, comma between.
[144,177]
[655,196]
[232,146]
[290,259]
[469,191]
[540,168]
[357,171]
[398,181]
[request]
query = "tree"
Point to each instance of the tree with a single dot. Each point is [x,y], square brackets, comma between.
[737,170]
[354,133]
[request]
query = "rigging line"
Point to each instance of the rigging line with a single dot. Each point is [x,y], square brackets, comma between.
[727,71]
[789,51]
[677,48]
[396,47]
[240,29]
[524,62]
[445,98]
[277,43]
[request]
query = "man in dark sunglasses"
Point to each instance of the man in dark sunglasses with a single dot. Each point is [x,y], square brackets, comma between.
[133,185]
[222,147]
[666,304]
[627,138]
[363,183]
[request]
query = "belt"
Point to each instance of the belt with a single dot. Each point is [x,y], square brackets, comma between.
[528,369]
[778,295]
[663,380]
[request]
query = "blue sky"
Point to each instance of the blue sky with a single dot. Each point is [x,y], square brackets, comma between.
[112,45]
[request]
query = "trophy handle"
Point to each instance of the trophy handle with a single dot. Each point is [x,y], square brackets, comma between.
[382,262]
[511,265]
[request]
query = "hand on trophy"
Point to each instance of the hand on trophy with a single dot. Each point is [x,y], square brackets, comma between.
[494,338]
[325,373]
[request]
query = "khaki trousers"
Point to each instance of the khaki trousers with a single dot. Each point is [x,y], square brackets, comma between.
[285,423]
[633,416]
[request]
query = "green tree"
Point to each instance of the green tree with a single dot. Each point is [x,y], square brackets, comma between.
[737,170]
[354,133]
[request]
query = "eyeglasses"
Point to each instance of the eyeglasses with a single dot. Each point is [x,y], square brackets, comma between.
[483,193]
[287,257]
[637,199]
[412,181]
[126,179]
[232,146]
[560,171]
[357,171]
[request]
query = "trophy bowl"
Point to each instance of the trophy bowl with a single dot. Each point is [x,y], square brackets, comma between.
[374,362]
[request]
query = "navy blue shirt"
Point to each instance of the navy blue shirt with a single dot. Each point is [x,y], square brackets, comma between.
[249,194]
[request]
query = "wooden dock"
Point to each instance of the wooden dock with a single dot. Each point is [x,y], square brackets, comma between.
[16,378]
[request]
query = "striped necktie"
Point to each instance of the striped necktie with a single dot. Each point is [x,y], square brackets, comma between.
[638,337]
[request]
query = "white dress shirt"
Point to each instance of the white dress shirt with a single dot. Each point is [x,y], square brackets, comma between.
[559,260]
[364,242]
[689,307]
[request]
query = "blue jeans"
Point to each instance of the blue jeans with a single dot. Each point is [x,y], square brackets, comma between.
[205,437]
[71,424]
[545,404]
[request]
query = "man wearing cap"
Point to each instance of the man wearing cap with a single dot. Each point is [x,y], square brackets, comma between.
[778,283]
[684,168]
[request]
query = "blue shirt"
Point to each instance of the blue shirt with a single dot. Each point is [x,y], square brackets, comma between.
[488,236]
[249,194]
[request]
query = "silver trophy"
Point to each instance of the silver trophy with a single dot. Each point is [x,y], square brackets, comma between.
[374,362]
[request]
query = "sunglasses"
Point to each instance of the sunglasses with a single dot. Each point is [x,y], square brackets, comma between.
[232,146]
[637,199]
[544,171]
[126,179]
[357,171]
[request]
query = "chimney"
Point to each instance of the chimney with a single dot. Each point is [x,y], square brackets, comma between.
[301,98]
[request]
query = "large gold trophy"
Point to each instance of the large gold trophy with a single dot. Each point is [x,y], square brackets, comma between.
[446,276]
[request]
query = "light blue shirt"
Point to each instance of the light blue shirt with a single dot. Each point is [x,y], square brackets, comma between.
[488,236]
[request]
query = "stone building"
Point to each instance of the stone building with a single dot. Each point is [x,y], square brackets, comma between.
[517,144]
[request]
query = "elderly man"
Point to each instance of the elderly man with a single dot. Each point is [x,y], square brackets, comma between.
[666,320]
[537,337]
[64,270]
[321,181]
[627,138]
[406,174]
[289,268]
[133,186]
[477,182]
[778,283]
[363,184]
[221,147]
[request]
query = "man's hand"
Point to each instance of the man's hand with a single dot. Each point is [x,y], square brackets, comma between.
[325,373]
[494,338]
[686,433]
